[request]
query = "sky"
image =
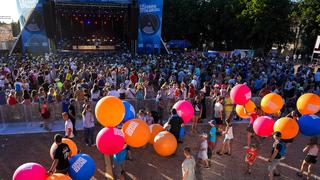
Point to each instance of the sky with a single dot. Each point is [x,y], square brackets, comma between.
[8,8]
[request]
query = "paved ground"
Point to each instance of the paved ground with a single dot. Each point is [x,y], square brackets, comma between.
[18,149]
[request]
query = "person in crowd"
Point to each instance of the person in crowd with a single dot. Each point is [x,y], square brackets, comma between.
[72,114]
[278,152]
[142,115]
[174,124]
[149,118]
[228,108]
[26,98]
[188,165]
[197,113]
[122,91]
[88,125]
[228,137]
[212,136]
[218,111]
[312,151]
[203,151]
[68,127]
[61,157]
[250,132]
[95,93]
[12,98]
[251,156]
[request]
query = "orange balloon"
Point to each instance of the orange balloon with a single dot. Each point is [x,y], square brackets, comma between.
[165,144]
[110,111]
[308,104]
[288,127]
[155,129]
[58,176]
[136,133]
[69,142]
[272,103]
[250,107]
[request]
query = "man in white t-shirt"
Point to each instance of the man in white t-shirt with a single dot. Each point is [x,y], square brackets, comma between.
[218,111]
[68,127]
[188,165]
[113,92]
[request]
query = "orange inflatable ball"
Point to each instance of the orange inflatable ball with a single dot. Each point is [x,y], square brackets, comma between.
[250,107]
[58,176]
[165,144]
[110,111]
[72,145]
[288,127]
[154,129]
[272,103]
[136,133]
[308,104]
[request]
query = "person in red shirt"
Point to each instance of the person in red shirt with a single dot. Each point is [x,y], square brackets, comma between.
[134,78]
[12,98]
[251,156]
[191,92]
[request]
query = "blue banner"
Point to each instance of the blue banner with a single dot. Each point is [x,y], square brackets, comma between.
[33,34]
[150,24]
[95,1]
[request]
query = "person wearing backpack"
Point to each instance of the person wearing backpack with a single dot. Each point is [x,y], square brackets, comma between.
[278,152]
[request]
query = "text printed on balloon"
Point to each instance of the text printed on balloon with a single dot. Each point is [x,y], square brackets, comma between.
[131,128]
[78,164]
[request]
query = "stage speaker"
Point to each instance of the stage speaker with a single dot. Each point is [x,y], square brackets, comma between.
[49,18]
[133,21]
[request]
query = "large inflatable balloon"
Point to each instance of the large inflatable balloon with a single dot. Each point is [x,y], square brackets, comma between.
[30,171]
[110,111]
[240,94]
[72,145]
[110,141]
[165,144]
[308,104]
[249,108]
[120,157]
[263,126]
[288,127]
[130,112]
[185,110]
[82,167]
[58,176]
[154,129]
[136,133]
[272,103]
[309,125]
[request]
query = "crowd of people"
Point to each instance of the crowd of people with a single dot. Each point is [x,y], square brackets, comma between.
[83,78]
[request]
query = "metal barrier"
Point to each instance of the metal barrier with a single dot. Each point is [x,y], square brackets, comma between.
[21,113]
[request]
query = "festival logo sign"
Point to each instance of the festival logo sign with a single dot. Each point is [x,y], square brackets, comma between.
[150,23]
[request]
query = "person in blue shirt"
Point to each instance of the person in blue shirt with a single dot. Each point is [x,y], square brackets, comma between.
[213,136]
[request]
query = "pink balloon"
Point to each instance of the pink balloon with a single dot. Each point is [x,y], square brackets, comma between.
[110,141]
[185,110]
[263,126]
[240,94]
[30,171]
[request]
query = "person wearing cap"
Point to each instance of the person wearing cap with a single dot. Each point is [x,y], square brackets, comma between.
[60,157]
[213,135]
[203,150]
[276,156]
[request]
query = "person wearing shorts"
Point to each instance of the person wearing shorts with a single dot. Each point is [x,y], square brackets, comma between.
[218,111]
[213,136]
[197,113]
[203,151]
[275,155]
[251,156]
[312,150]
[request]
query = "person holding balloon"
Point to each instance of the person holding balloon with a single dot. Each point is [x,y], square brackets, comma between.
[175,123]
[250,132]
[61,157]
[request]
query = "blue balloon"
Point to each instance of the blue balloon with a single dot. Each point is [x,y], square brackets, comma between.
[309,125]
[182,131]
[82,167]
[120,157]
[130,112]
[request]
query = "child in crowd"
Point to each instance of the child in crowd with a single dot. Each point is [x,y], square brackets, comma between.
[149,118]
[203,150]
[213,136]
[68,127]
[251,155]
[228,136]
[312,150]
[141,115]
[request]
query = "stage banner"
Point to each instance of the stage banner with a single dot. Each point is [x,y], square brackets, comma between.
[33,34]
[150,24]
[95,1]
